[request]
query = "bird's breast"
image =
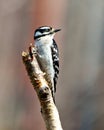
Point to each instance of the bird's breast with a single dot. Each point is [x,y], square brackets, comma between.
[45,59]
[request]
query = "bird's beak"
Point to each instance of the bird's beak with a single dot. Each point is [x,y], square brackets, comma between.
[57,30]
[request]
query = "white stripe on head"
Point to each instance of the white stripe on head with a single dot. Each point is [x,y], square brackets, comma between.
[44,27]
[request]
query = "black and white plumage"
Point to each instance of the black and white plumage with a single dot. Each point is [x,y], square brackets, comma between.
[48,55]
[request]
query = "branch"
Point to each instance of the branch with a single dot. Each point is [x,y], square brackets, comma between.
[48,109]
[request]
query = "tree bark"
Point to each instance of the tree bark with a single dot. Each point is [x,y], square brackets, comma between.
[48,109]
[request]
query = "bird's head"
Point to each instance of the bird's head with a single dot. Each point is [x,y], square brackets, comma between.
[45,32]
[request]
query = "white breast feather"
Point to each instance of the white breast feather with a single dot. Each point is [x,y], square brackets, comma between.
[44,51]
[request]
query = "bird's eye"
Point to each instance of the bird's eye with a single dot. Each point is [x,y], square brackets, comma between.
[47,30]
[42,31]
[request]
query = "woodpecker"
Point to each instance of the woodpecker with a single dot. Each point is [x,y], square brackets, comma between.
[48,55]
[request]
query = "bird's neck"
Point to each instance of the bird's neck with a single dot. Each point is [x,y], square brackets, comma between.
[45,41]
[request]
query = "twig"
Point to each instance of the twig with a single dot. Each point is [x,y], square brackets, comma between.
[48,109]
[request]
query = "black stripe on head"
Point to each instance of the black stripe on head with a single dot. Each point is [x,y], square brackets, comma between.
[36,37]
[43,30]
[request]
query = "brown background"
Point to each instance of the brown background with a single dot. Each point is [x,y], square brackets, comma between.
[79,97]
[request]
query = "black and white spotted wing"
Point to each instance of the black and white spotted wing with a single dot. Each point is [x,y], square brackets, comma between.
[55,57]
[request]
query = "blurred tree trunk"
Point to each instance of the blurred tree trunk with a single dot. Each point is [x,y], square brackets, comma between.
[19,107]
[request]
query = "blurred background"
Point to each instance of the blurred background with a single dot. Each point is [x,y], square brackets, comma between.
[80,96]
